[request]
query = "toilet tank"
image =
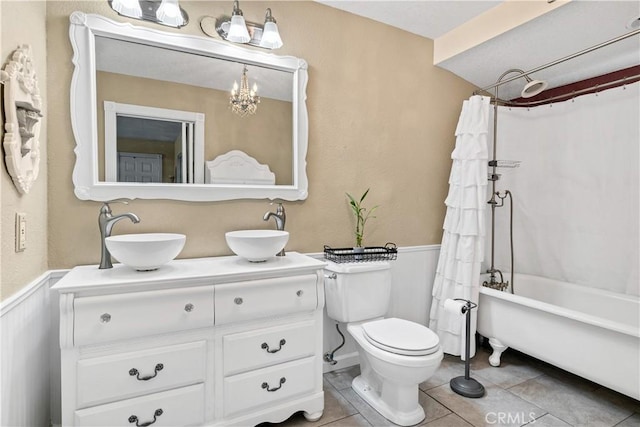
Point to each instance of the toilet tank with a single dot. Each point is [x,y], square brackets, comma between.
[359,291]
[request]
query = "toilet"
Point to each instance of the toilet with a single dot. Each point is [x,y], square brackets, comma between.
[396,355]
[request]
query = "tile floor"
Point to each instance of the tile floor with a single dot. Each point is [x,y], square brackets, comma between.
[523,391]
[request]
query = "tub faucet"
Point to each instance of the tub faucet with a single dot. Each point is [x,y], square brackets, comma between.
[280,217]
[106,221]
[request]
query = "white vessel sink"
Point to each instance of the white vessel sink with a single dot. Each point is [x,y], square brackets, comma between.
[146,251]
[257,245]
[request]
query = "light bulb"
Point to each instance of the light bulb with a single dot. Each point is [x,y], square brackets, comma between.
[129,8]
[169,13]
[271,36]
[238,32]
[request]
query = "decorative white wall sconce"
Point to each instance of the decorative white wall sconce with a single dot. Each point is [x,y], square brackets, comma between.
[23,111]
[165,12]
[235,29]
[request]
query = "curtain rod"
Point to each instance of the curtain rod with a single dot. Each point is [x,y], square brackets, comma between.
[561,60]
[591,89]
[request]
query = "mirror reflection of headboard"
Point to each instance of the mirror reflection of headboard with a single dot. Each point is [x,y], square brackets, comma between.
[86,29]
[237,167]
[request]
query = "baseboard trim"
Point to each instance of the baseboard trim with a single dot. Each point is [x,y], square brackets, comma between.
[344,361]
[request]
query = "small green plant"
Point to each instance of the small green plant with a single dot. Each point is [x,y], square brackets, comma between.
[362,215]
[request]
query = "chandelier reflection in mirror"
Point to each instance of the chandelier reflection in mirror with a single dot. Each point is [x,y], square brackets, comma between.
[242,100]
[165,12]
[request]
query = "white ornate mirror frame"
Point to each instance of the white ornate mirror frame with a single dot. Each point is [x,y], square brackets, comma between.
[22,109]
[82,32]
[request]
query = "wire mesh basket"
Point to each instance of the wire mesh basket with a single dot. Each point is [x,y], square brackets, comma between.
[388,252]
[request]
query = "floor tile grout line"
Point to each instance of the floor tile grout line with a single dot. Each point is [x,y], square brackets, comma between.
[354,407]
[452,411]
[630,416]
[532,422]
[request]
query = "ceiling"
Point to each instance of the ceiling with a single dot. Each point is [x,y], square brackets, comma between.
[567,29]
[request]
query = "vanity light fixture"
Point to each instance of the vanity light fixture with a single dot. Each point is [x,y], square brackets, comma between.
[237,30]
[242,100]
[165,12]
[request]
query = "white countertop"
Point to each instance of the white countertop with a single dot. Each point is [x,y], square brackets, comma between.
[210,270]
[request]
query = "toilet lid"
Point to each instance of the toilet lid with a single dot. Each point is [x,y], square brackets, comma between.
[401,337]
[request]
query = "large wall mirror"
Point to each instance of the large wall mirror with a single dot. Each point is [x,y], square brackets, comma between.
[151,116]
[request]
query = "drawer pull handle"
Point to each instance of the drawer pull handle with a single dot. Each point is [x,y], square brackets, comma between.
[189,308]
[266,385]
[134,372]
[238,300]
[275,350]
[105,318]
[134,419]
[299,293]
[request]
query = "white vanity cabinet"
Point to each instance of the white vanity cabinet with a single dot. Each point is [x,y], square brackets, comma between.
[212,341]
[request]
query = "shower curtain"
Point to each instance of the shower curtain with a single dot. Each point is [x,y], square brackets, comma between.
[575,194]
[461,252]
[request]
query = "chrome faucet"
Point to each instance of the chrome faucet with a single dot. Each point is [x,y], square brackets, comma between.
[106,221]
[280,217]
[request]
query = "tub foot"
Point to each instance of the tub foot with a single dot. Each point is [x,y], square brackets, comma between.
[498,348]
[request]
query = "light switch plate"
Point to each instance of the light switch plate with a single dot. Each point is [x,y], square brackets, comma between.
[21,232]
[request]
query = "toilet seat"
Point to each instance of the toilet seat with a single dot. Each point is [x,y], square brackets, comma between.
[400,336]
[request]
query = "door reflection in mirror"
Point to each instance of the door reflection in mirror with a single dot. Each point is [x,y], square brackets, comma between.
[146,144]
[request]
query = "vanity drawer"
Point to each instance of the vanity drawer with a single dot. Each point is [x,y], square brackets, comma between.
[257,299]
[112,317]
[125,375]
[265,347]
[268,386]
[178,407]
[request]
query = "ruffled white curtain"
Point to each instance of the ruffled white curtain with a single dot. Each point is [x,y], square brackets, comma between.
[462,249]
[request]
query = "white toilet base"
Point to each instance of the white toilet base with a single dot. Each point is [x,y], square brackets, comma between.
[372,397]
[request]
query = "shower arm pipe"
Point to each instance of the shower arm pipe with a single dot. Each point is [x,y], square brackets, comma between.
[559,61]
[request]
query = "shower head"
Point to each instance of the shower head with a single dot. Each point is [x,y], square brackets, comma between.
[533,87]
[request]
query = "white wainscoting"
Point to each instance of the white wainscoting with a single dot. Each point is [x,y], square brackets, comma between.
[27,354]
[29,336]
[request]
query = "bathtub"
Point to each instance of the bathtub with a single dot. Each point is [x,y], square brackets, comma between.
[590,332]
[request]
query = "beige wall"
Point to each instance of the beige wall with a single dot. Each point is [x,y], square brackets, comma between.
[24,23]
[380,116]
